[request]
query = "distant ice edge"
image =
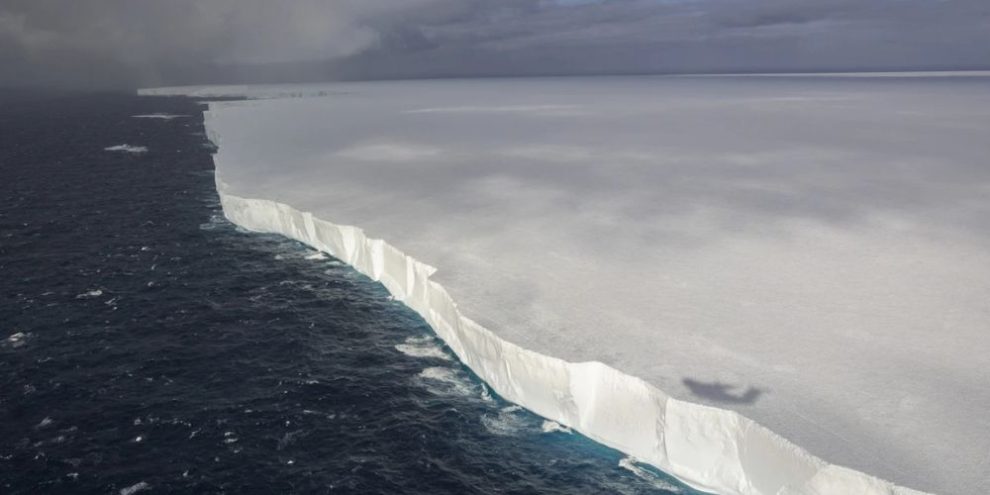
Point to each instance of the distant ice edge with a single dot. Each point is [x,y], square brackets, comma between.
[708,448]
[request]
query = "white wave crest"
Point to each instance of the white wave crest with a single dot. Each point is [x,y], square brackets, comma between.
[316,255]
[137,487]
[507,423]
[553,426]
[629,464]
[446,381]
[419,347]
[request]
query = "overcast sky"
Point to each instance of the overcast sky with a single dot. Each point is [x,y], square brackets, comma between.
[129,43]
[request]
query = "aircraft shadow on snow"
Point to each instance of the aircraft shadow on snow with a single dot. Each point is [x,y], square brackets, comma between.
[722,392]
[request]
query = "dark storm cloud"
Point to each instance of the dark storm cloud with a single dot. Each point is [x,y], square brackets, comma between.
[143,42]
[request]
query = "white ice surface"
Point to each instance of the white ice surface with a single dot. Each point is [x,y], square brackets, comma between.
[823,241]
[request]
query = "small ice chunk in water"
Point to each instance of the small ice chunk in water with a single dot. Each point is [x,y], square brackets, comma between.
[17,339]
[91,293]
[127,148]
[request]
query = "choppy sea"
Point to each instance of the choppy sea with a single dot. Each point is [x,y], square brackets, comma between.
[149,346]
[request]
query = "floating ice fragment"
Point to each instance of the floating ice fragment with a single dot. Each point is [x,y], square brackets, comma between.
[16,340]
[91,293]
[127,148]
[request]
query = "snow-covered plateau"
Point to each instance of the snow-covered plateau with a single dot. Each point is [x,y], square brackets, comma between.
[743,281]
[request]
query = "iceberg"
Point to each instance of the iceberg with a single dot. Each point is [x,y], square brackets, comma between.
[757,285]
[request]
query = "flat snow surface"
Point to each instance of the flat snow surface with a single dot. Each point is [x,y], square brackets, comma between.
[811,252]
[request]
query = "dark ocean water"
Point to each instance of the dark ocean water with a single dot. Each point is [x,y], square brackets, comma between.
[149,346]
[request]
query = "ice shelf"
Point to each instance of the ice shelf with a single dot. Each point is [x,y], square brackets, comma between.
[811,253]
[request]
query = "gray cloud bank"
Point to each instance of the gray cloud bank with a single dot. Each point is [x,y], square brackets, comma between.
[127,43]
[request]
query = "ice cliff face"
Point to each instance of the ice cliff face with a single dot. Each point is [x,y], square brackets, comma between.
[809,254]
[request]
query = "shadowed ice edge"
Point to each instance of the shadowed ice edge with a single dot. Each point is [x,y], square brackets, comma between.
[705,447]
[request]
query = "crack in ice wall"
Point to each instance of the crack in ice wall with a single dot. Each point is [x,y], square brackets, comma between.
[708,448]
